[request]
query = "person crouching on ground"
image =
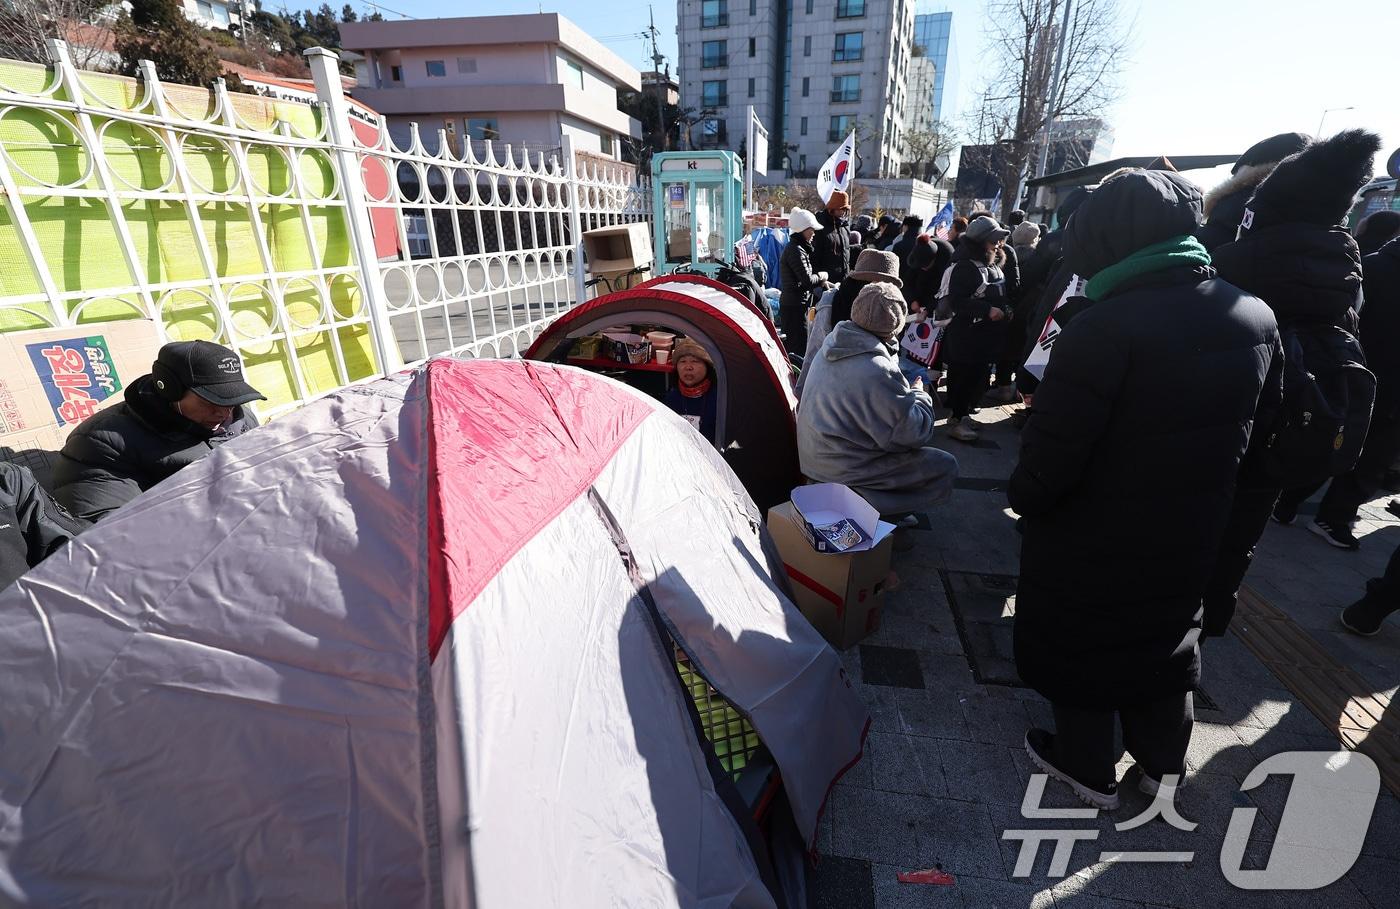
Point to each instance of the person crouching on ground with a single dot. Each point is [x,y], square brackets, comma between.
[694,396]
[1124,482]
[977,296]
[861,423]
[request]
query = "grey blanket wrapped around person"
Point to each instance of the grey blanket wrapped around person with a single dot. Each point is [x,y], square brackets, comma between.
[861,424]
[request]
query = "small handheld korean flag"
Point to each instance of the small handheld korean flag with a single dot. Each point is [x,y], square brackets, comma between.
[836,173]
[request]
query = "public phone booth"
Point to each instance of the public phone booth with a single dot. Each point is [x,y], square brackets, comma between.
[698,208]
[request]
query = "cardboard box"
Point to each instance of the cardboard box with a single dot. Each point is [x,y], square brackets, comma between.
[840,593]
[836,519]
[52,379]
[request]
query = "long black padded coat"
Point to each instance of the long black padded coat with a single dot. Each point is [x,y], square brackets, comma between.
[1129,458]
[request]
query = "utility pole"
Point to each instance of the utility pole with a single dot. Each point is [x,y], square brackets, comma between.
[1054,92]
[661,88]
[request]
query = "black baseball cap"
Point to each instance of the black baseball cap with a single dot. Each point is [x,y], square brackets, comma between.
[210,370]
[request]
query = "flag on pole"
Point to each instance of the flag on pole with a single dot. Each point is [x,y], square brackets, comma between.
[836,173]
[942,221]
[996,202]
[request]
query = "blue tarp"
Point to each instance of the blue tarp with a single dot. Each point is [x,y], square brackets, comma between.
[769,243]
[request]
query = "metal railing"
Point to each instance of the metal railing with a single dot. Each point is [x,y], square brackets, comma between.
[299,235]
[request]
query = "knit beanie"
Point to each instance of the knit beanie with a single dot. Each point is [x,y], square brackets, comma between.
[1317,186]
[923,253]
[838,201]
[1024,234]
[1267,151]
[879,309]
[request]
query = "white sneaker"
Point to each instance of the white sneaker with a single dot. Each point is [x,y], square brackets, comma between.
[960,428]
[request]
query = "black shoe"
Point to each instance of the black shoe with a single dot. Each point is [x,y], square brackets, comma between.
[1364,617]
[1393,506]
[1040,746]
[1338,535]
[1285,513]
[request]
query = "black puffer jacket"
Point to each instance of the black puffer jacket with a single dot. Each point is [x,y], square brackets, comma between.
[1129,458]
[118,453]
[831,246]
[1380,325]
[1305,272]
[32,526]
[973,289]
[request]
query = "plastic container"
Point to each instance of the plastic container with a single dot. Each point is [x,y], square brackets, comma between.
[661,340]
[628,347]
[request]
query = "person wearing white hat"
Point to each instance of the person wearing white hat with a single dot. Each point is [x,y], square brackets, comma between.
[797,279]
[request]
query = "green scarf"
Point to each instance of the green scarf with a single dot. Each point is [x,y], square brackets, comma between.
[1182,250]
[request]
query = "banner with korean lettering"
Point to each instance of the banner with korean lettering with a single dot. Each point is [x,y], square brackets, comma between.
[77,375]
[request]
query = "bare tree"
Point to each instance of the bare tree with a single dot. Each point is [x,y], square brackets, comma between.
[1022,96]
[27,25]
[925,150]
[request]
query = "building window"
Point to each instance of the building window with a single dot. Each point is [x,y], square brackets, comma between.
[850,9]
[466,64]
[714,94]
[753,46]
[713,55]
[482,128]
[807,46]
[840,127]
[714,13]
[605,141]
[850,46]
[396,74]
[750,86]
[802,163]
[845,89]
[713,133]
[437,68]
[806,85]
[803,128]
[573,74]
[753,7]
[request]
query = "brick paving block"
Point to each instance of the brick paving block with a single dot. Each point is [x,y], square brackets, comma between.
[891,894]
[935,714]
[895,667]
[1383,837]
[948,671]
[1377,878]
[959,837]
[840,883]
[905,763]
[983,773]
[876,826]
[1216,748]
[995,720]
[1285,715]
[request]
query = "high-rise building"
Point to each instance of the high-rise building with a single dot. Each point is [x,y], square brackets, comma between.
[933,38]
[812,69]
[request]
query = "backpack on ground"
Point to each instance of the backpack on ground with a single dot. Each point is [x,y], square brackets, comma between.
[1327,397]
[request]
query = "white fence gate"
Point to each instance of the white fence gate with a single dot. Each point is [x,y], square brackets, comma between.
[253,222]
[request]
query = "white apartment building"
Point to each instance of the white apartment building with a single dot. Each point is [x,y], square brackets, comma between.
[527,80]
[812,69]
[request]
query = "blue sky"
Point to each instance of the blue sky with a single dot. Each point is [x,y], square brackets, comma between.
[1202,77]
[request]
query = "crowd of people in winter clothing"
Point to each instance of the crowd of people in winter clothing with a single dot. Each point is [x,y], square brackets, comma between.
[1190,364]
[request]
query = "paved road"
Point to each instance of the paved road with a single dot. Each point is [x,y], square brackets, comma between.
[945,772]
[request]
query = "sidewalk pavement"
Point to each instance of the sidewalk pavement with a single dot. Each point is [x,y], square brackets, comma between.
[945,771]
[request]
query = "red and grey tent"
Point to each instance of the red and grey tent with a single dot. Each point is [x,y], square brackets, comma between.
[757,429]
[413,645]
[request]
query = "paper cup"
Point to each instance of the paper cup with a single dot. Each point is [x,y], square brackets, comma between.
[663,357]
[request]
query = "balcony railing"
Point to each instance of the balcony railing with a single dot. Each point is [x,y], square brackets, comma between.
[845,97]
[852,55]
[716,21]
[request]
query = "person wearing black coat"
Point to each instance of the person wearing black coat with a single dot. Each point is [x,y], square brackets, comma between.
[831,247]
[1380,339]
[923,273]
[1043,282]
[1224,205]
[913,226]
[977,298]
[799,281]
[1124,480]
[32,525]
[1293,255]
[190,403]
[887,234]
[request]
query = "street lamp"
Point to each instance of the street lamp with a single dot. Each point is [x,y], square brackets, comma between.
[1330,110]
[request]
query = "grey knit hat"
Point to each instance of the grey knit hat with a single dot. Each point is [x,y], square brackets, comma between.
[880,309]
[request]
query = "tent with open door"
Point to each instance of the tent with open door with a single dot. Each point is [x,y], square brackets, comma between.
[757,430]
[416,644]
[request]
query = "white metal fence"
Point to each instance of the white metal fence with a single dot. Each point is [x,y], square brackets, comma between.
[262,224]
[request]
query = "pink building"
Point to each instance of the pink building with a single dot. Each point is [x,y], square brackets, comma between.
[527,80]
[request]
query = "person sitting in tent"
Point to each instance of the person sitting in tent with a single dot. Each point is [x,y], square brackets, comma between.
[860,422]
[190,403]
[694,396]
